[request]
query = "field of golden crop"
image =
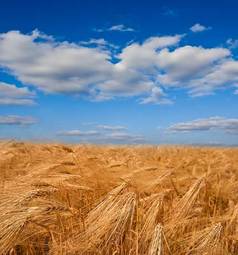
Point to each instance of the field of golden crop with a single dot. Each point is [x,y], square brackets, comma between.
[83,199]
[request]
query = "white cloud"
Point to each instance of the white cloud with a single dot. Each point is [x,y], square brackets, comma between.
[121,28]
[124,137]
[157,96]
[114,136]
[17,120]
[99,42]
[130,76]
[51,66]
[188,62]
[221,76]
[217,123]
[144,69]
[180,71]
[10,94]
[145,56]
[67,68]
[16,101]
[172,68]
[111,128]
[232,43]
[117,28]
[77,132]
[199,28]
[104,134]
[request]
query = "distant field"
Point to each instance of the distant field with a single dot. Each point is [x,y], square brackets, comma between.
[78,199]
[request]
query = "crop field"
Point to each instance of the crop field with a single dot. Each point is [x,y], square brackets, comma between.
[127,200]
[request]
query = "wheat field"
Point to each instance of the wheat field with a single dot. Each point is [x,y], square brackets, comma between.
[127,200]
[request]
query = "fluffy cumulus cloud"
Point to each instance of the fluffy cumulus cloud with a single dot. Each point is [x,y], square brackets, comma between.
[196,28]
[221,76]
[17,120]
[213,123]
[12,95]
[99,71]
[144,56]
[51,66]
[190,67]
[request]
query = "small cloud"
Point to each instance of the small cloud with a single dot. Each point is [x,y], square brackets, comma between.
[16,101]
[77,132]
[196,28]
[119,28]
[157,97]
[125,138]
[212,123]
[17,120]
[111,128]
[107,134]
[10,94]
[100,42]
[232,43]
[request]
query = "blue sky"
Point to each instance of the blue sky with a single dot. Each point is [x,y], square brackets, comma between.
[119,72]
